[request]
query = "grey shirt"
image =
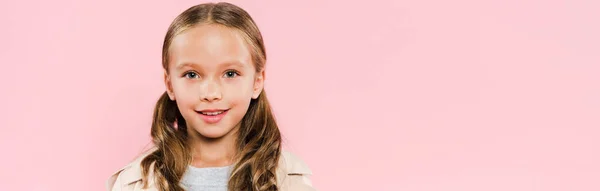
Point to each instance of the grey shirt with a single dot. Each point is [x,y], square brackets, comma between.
[206,179]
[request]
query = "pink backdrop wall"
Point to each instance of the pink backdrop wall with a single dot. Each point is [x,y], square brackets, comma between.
[373,95]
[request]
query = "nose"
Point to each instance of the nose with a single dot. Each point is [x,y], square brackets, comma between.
[211,91]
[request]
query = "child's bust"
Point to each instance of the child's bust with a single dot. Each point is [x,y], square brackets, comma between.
[214,108]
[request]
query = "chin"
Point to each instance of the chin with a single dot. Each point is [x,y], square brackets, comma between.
[213,132]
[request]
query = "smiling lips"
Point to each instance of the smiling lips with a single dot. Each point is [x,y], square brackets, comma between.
[212,115]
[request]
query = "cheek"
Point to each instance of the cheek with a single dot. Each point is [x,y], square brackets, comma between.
[185,92]
[242,87]
[238,94]
[232,90]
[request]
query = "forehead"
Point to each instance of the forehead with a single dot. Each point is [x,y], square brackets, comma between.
[208,45]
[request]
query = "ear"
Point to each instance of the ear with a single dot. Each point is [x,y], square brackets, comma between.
[168,86]
[259,83]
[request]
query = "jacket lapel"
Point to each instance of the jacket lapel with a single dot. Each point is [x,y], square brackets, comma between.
[289,167]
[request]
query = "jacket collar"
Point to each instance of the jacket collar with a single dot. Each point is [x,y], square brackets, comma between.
[289,164]
[132,172]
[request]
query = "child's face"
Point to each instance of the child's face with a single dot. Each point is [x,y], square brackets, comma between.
[212,78]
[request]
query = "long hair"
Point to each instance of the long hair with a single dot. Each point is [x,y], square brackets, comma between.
[259,140]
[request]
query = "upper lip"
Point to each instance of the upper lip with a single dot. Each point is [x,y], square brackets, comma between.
[212,110]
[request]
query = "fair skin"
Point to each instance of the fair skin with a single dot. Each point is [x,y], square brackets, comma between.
[211,70]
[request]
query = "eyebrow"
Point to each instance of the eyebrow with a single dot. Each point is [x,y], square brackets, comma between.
[187,64]
[233,63]
[225,64]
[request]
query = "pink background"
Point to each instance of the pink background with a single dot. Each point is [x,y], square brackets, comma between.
[374,95]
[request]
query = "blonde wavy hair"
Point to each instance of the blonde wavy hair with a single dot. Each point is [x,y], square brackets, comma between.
[259,140]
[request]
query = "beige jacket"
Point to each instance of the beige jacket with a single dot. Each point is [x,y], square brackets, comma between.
[292,175]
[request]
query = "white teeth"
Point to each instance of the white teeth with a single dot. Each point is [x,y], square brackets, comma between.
[212,113]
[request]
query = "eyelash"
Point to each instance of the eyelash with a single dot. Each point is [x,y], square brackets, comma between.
[235,73]
[186,74]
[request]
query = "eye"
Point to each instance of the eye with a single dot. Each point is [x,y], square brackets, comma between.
[231,74]
[190,75]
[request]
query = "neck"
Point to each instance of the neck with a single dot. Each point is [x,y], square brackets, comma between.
[213,152]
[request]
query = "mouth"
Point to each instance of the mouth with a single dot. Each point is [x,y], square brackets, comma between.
[212,112]
[212,115]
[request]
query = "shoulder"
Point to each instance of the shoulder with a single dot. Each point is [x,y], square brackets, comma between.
[292,164]
[293,174]
[128,174]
